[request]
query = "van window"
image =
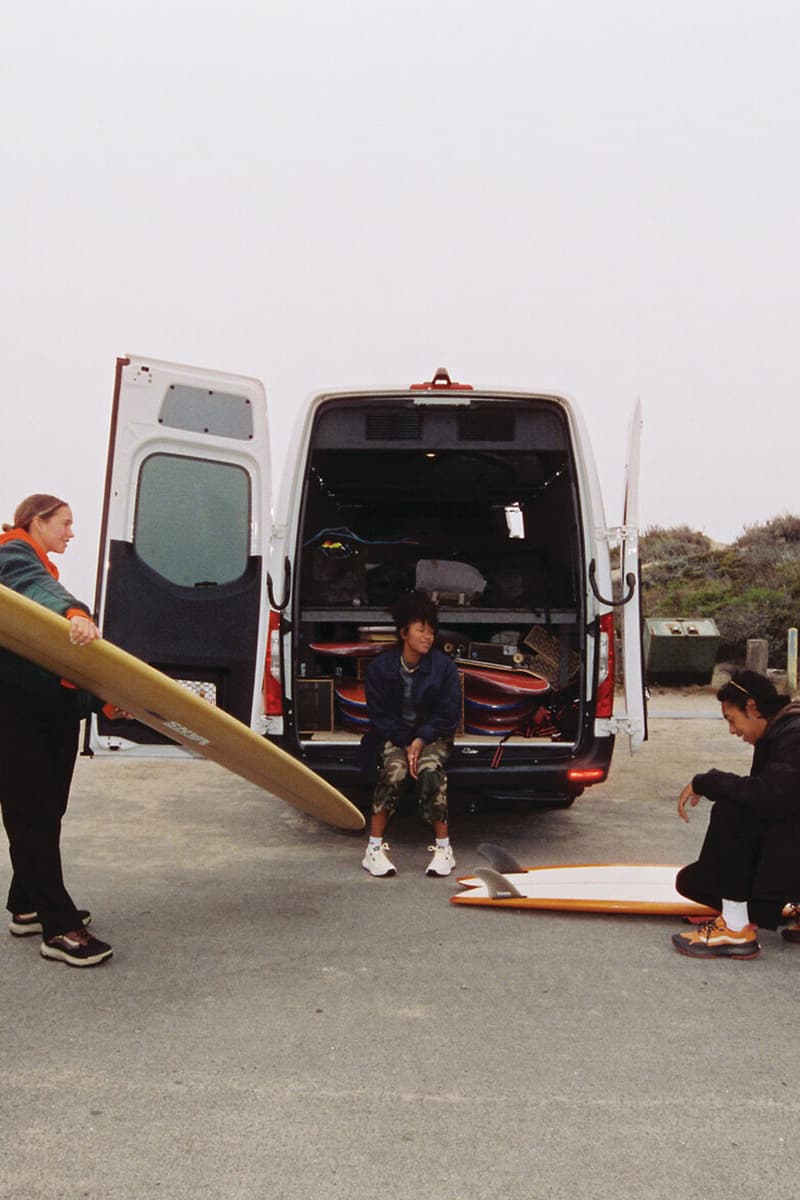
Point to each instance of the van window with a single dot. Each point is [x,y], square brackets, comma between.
[192,519]
[204,411]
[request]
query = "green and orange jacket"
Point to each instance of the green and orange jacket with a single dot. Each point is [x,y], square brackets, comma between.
[25,568]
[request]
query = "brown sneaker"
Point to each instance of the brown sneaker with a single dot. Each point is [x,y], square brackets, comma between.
[714,939]
[77,948]
[791,913]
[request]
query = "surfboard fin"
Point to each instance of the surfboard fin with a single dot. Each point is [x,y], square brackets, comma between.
[497,886]
[500,859]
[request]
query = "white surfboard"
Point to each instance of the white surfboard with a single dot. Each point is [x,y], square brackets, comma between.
[645,888]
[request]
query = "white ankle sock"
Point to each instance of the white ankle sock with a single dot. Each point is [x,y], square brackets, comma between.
[442,843]
[376,841]
[735,914]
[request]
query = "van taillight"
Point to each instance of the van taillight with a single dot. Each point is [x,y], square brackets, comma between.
[273,702]
[605,667]
[587,774]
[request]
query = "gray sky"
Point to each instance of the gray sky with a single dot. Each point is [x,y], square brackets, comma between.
[597,196]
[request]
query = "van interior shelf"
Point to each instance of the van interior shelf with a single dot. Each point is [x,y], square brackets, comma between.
[448,616]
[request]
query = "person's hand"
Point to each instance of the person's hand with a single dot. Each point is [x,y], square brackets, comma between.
[687,796]
[413,752]
[82,630]
[116,714]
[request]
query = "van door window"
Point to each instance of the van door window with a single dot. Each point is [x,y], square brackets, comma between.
[192,521]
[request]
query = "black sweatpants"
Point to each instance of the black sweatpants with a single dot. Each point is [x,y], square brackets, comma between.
[38,747]
[731,864]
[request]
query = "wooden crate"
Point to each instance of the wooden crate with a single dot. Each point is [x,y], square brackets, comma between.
[314,705]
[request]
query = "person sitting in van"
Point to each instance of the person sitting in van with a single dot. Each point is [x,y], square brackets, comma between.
[749,864]
[414,705]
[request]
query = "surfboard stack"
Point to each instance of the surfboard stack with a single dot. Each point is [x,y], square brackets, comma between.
[351,704]
[497,704]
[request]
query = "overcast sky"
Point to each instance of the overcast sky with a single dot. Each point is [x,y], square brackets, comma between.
[595,197]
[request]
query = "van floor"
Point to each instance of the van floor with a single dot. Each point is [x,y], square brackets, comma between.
[472,739]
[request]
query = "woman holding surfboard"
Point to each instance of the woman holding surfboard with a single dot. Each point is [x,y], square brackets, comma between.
[749,864]
[39,720]
[414,704]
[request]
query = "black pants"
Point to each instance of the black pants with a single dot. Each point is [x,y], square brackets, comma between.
[38,746]
[731,865]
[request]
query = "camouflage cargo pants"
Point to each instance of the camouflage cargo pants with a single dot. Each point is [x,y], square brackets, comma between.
[431,782]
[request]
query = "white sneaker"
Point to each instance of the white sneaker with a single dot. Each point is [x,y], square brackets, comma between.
[442,862]
[377,861]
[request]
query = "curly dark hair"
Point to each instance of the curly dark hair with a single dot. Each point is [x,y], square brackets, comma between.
[415,606]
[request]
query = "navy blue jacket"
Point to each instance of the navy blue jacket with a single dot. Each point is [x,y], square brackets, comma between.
[436,696]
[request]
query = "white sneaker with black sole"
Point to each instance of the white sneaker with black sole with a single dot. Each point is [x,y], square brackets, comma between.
[442,862]
[377,861]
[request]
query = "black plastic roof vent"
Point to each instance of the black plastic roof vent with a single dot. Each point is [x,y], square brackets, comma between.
[387,425]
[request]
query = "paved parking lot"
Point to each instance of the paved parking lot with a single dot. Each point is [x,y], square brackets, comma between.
[277,1024]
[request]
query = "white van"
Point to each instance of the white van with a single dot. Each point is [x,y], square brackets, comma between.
[488,499]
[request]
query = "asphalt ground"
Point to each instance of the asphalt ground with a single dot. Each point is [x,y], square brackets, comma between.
[277,1024]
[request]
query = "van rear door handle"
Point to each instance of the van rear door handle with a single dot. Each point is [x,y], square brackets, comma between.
[630,581]
[287,579]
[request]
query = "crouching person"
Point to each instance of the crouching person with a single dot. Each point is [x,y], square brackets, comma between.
[414,707]
[749,864]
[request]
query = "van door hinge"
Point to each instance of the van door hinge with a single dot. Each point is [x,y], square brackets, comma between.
[624,725]
[617,534]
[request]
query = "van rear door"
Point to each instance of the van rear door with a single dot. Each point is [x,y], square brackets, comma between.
[186,517]
[635,723]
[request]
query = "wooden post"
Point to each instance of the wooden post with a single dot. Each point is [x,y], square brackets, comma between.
[757,655]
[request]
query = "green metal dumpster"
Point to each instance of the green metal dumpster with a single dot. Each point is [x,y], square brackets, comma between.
[678,650]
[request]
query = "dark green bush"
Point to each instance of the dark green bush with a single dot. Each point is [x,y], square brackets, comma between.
[751,589]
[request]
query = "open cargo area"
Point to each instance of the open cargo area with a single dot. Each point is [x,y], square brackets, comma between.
[478,507]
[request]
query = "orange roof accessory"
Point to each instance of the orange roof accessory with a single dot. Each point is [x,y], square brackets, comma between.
[441,382]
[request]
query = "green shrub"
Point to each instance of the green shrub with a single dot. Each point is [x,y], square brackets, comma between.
[751,589]
[780,531]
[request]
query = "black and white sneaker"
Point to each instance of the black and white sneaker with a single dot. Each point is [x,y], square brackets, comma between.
[24,924]
[76,948]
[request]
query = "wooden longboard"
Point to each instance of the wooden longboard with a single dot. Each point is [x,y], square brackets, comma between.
[153,698]
[585,887]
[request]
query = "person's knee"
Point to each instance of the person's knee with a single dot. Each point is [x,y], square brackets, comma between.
[690,883]
[430,778]
[395,772]
[725,816]
[683,882]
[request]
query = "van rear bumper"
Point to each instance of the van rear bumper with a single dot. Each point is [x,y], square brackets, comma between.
[554,771]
